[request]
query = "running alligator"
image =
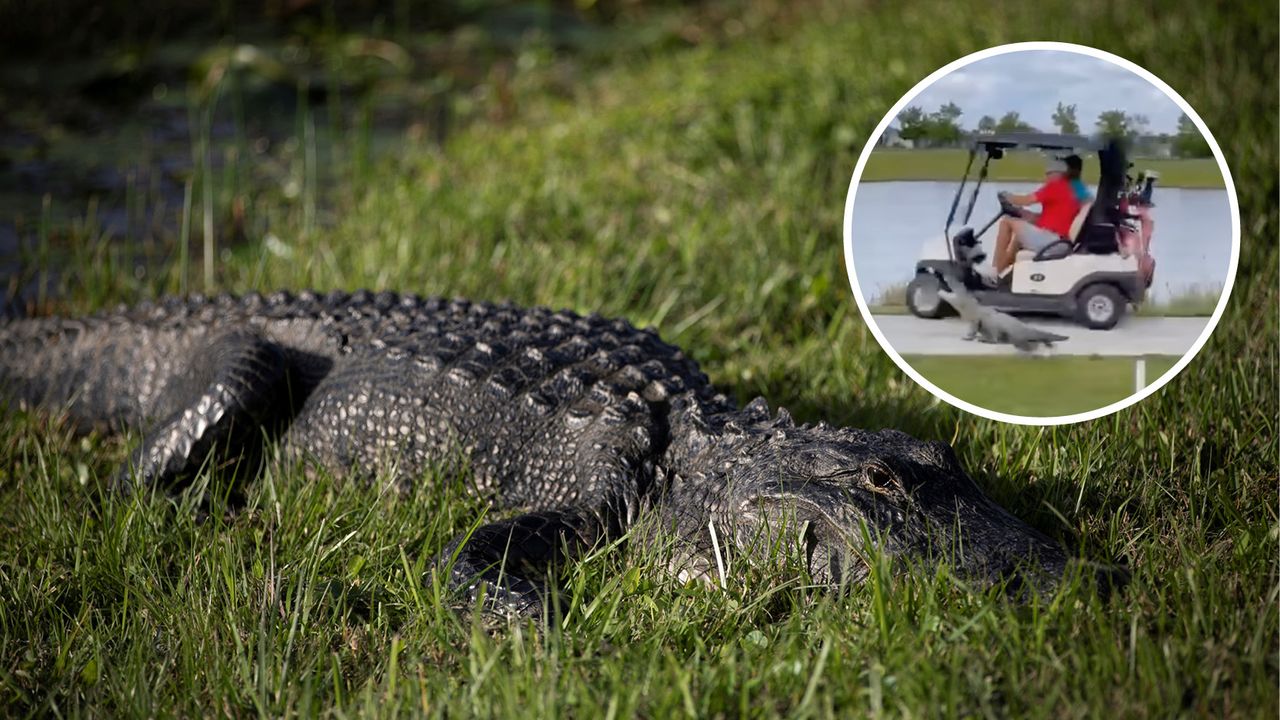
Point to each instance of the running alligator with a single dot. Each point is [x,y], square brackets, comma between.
[989,325]
[576,427]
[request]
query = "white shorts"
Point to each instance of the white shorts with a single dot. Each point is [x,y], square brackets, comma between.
[1033,237]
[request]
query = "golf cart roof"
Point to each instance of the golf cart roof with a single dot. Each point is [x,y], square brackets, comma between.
[1043,141]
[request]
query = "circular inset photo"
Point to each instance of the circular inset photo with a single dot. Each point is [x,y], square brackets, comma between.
[1041,233]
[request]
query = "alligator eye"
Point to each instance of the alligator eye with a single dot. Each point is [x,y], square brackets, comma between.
[881,477]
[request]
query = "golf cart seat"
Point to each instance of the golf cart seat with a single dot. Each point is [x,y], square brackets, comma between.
[1065,246]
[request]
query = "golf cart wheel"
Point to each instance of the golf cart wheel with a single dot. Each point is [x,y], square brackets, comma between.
[1099,306]
[923,299]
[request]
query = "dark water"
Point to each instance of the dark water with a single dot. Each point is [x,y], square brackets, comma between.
[106,148]
[891,220]
[81,170]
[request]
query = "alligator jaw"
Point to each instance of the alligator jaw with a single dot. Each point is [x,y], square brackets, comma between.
[835,498]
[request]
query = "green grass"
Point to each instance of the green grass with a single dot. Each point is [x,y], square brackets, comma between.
[698,189]
[948,165]
[1198,301]
[892,299]
[1034,386]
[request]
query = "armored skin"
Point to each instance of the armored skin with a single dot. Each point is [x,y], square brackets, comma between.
[992,326]
[576,427]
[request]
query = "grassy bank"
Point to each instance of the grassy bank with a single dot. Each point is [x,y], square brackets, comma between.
[948,165]
[1038,387]
[699,190]
[1198,301]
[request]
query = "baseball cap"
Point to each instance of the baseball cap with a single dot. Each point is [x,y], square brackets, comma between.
[1054,165]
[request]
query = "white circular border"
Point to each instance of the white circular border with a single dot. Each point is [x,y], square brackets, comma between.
[1057,419]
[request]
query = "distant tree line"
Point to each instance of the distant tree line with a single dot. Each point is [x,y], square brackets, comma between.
[942,128]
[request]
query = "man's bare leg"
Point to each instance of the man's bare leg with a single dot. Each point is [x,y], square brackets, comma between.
[1006,245]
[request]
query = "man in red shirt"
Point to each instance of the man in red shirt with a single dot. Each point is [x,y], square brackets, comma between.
[1059,204]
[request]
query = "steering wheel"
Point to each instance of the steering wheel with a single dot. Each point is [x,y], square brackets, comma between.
[1006,207]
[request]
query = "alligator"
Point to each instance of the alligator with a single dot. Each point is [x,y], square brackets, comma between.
[992,326]
[580,430]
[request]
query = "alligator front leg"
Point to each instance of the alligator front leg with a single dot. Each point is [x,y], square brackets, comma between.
[217,412]
[988,334]
[509,562]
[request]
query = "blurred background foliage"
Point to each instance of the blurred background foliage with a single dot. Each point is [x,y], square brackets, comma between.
[123,120]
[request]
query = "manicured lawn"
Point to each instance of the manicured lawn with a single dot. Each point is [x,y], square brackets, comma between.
[948,164]
[697,187]
[1035,386]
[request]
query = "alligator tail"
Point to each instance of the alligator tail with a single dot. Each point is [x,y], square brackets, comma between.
[102,372]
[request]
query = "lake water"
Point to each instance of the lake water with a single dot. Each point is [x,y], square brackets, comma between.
[891,220]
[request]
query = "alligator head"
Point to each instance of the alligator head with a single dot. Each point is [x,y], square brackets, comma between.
[838,497]
[958,298]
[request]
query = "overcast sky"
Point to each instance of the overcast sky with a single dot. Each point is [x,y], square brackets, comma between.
[1033,82]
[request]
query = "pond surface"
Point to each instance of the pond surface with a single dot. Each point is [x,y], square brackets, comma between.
[891,220]
[234,122]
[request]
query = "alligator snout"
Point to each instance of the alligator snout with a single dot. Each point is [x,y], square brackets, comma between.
[1106,578]
[1020,583]
[841,498]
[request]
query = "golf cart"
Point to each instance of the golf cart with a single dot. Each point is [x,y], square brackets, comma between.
[1091,275]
